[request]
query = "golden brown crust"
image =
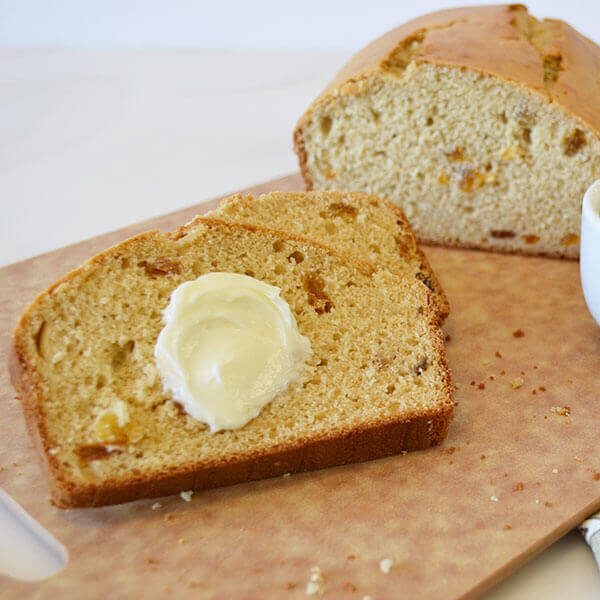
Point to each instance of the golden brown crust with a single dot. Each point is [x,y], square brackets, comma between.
[359,445]
[368,442]
[487,39]
[493,40]
[442,299]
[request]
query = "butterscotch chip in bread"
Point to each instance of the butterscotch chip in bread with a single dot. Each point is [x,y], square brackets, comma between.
[361,225]
[377,383]
[481,123]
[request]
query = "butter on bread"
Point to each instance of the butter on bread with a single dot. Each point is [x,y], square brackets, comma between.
[379,382]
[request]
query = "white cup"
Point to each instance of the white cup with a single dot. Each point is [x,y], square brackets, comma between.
[589,262]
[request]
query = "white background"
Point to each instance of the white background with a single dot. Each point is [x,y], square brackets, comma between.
[113,111]
[259,24]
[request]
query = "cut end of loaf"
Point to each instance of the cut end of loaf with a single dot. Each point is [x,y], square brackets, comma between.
[470,124]
[379,383]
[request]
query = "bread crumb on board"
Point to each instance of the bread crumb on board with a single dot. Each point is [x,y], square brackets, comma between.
[315,583]
[187,496]
[516,383]
[494,498]
[386,565]
[518,333]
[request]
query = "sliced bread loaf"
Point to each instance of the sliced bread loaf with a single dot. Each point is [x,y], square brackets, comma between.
[109,433]
[481,123]
[361,225]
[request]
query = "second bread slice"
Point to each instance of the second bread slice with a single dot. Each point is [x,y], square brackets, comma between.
[359,225]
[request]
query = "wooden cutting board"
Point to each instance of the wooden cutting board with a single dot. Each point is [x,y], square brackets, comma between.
[520,467]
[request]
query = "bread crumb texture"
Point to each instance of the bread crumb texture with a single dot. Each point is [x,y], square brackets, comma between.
[85,349]
[479,123]
[355,224]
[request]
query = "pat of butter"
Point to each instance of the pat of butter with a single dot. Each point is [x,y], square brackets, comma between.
[229,346]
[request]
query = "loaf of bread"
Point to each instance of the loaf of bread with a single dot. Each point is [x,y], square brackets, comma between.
[356,224]
[480,123]
[378,382]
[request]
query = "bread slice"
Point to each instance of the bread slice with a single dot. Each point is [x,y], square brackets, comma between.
[379,382]
[361,225]
[480,123]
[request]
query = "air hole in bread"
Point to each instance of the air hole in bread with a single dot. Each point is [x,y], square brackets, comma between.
[429,122]
[296,257]
[120,353]
[341,209]
[390,389]
[375,115]
[161,266]
[421,366]
[314,285]
[330,227]
[279,269]
[326,125]
[574,142]
[278,245]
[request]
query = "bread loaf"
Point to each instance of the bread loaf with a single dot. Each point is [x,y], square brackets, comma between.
[378,382]
[480,123]
[361,225]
